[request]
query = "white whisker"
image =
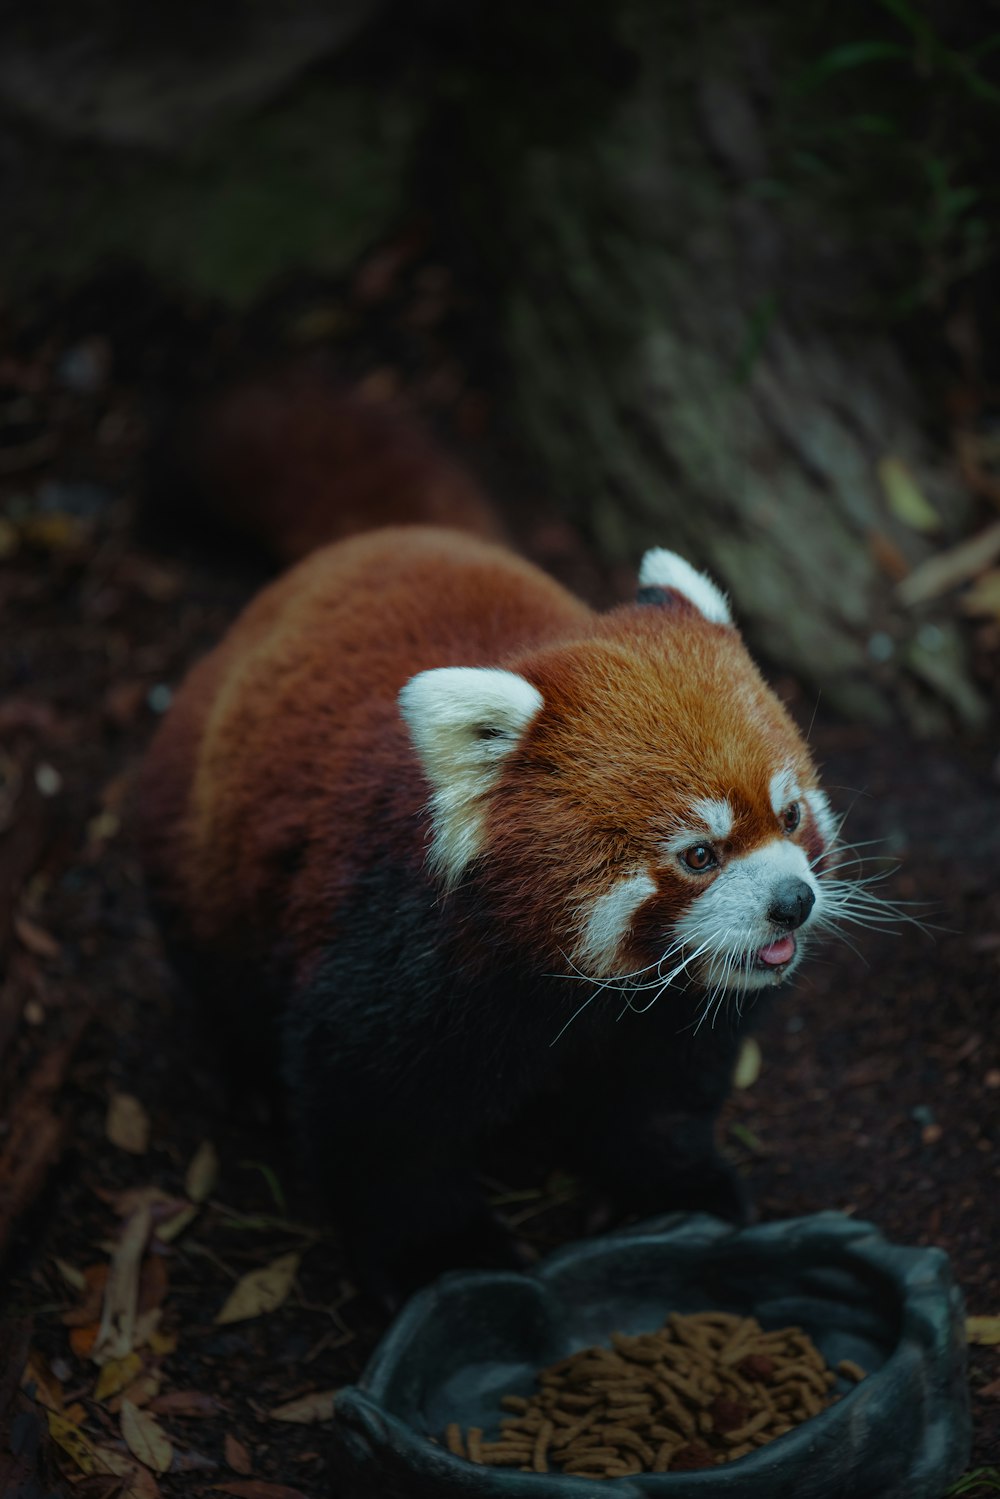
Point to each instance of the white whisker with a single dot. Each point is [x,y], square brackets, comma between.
[590,998]
[669,978]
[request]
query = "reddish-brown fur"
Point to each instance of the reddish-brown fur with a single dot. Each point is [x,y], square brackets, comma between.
[286,829]
[641,721]
[285,735]
[290,464]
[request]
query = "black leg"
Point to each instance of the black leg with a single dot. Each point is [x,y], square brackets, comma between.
[395,1164]
[642,1124]
[404,1230]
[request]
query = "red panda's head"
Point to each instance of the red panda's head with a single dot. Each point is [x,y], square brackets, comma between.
[636,802]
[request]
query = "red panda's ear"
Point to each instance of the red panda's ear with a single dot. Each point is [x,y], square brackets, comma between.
[663,570]
[464,721]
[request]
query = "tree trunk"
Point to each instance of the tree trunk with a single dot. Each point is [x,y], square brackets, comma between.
[696,361]
[692,331]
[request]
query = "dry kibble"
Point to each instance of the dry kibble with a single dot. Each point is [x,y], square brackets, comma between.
[707,1388]
[538,1456]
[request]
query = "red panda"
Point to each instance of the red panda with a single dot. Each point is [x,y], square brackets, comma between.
[262,457]
[448,839]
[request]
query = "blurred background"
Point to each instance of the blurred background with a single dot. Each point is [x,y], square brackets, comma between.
[720,277]
[692,264]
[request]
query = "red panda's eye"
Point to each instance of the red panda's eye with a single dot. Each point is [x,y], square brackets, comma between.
[791,817]
[699,858]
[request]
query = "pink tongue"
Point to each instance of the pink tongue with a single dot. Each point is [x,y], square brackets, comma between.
[778,952]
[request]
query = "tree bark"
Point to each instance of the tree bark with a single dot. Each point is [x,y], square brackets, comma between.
[696,361]
[695,340]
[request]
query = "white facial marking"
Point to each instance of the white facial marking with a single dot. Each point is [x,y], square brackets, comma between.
[825,819]
[608,923]
[663,569]
[784,789]
[716,815]
[464,721]
[731,915]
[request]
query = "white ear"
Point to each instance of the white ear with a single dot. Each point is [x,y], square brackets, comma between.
[464,721]
[663,569]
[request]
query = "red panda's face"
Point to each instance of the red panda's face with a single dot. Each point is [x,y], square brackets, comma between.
[638,805]
[668,808]
[724,900]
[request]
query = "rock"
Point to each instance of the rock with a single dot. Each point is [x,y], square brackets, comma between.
[160,77]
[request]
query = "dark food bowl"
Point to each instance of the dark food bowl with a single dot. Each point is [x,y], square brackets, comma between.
[903,1433]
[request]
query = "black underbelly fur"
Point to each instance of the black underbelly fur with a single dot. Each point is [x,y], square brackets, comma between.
[400,1058]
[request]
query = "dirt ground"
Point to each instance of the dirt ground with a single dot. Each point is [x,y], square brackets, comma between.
[879,1090]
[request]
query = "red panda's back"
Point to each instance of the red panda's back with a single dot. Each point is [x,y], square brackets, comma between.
[260,791]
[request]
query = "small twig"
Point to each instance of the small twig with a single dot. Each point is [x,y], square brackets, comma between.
[230,1218]
[193,1247]
[331,1340]
[514,1220]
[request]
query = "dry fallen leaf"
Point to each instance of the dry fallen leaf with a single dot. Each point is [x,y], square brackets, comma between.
[237,1455]
[53,531]
[203,1172]
[73,1277]
[906,499]
[887,556]
[260,1291]
[188,1460]
[977,454]
[10,539]
[35,938]
[139,1481]
[948,569]
[316,1406]
[985,1330]
[95,1279]
[145,1438]
[141,1391]
[257,1488]
[186,1403]
[171,1227]
[116,1375]
[748,1064]
[140,1484]
[983,598]
[127,1124]
[83,1339]
[71,1439]
[162,1343]
[113,1460]
[41,1384]
[102,828]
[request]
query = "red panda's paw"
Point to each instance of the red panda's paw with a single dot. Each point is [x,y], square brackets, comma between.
[717,1188]
[654,1178]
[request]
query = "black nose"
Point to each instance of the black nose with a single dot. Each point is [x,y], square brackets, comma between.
[791,904]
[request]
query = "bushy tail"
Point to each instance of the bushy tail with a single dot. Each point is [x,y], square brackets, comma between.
[290,461]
